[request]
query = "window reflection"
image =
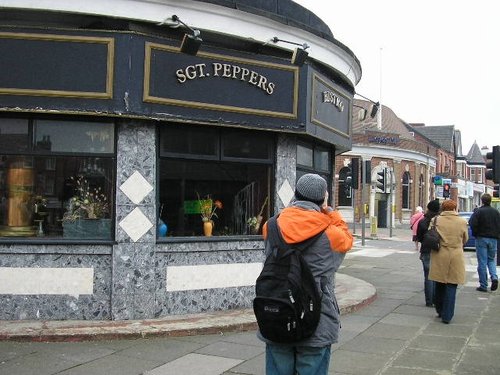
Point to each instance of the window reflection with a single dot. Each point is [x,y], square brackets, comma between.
[38,187]
[14,135]
[73,136]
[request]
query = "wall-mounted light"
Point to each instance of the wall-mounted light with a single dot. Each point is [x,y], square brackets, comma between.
[374,106]
[362,112]
[299,55]
[190,42]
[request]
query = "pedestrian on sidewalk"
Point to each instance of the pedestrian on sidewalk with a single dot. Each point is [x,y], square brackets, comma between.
[485,226]
[425,252]
[447,264]
[306,216]
[415,218]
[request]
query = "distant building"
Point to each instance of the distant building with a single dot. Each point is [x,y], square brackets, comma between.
[409,158]
[417,157]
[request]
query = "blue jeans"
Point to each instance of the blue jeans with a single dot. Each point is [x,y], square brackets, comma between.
[291,360]
[486,249]
[428,284]
[444,300]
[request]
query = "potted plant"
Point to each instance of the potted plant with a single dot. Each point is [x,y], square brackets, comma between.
[87,215]
[207,211]
[254,222]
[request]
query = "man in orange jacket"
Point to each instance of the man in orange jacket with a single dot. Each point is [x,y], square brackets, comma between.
[306,216]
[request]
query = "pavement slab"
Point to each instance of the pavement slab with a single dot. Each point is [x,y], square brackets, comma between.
[386,330]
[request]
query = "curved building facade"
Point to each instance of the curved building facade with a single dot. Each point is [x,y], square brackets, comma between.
[145,142]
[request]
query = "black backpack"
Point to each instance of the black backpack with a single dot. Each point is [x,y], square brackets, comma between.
[287,303]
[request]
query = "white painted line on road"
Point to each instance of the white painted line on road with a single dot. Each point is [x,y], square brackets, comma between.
[378,253]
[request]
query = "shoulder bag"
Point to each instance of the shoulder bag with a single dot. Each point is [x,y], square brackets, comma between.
[431,238]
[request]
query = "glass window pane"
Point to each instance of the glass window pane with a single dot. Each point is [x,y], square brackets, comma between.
[242,188]
[195,142]
[14,135]
[304,156]
[40,197]
[74,136]
[247,145]
[321,159]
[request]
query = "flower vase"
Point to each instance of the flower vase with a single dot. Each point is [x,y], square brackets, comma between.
[254,230]
[162,228]
[208,226]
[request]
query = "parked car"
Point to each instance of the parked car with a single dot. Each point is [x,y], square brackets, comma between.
[471,243]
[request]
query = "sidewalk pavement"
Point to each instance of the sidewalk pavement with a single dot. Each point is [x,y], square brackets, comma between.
[396,334]
[352,294]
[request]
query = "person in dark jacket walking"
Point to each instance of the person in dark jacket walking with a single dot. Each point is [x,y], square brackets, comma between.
[485,226]
[425,253]
[306,216]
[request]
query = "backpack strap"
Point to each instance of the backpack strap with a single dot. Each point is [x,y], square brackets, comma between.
[435,221]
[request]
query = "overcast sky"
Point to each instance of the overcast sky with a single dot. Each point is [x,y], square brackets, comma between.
[431,62]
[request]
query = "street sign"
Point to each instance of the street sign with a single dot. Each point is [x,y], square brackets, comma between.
[438,180]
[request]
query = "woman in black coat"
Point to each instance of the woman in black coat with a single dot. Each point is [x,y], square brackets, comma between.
[425,253]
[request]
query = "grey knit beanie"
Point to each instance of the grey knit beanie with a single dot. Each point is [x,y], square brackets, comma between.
[311,187]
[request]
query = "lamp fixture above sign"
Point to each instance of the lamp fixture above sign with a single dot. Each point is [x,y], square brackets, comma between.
[190,42]
[299,55]
[374,107]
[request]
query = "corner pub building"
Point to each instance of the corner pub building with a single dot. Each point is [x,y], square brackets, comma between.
[116,135]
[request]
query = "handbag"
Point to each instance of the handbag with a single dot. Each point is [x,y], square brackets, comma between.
[431,238]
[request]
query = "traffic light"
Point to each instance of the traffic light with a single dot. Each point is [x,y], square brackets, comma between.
[381,180]
[348,184]
[446,190]
[366,172]
[355,173]
[493,165]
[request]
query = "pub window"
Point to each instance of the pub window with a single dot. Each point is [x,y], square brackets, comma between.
[56,178]
[405,190]
[305,156]
[221,176]
[314,158]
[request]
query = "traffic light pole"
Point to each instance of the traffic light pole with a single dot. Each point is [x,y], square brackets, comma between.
[391,202]
[353,197]
[366,170]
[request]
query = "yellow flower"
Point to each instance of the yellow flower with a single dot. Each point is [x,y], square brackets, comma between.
[208,207]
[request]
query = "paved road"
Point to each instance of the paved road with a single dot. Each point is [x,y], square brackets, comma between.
[396,334]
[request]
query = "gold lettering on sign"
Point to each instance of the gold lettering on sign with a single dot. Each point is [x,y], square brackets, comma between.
[221,70]
[331,98]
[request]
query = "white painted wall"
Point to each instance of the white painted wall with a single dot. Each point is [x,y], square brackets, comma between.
[212,276]
[36,281]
